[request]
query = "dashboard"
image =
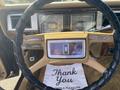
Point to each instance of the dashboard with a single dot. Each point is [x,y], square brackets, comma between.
[46,23]
[55,22]
[84,19]
[55,19]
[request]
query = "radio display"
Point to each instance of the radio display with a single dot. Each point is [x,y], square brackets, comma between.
[68,49]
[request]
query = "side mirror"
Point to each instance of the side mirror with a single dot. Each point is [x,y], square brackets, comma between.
[8,65]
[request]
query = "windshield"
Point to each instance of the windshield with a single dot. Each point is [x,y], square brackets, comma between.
[63,22]
[25,1]
[18,1]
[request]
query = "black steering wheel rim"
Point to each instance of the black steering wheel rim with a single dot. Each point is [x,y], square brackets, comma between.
[105,9]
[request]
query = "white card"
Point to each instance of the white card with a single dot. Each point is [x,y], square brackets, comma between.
[67,77]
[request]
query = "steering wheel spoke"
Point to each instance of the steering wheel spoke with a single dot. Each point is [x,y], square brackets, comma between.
[92,62]
[41,63]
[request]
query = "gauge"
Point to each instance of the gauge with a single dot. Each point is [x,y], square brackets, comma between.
[79,26]
[52,26]
[51,23]
[83,21]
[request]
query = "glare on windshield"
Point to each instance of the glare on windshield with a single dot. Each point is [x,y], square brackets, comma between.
[17,1]
[26,1]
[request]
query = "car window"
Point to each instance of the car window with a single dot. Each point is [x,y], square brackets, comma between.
[18,1]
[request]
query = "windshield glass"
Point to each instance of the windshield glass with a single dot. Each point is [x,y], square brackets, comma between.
[63,22]
[24,1]
[18,1]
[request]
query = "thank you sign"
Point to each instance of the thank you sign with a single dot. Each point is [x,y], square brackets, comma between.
[68,77]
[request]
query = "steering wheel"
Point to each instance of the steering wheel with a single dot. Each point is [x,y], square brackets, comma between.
[107,74]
